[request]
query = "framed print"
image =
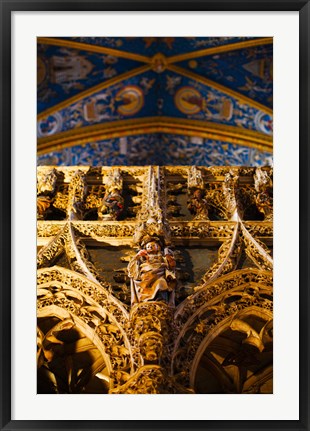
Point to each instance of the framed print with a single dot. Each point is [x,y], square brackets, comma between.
[145,267]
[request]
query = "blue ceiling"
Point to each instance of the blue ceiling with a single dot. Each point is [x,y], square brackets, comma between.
[65,72]
[86,82]
[165,95]
[248,71]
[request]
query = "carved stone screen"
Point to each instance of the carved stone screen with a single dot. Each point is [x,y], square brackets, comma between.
[154,215]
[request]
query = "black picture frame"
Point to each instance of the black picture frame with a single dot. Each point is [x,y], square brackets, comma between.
[7,7]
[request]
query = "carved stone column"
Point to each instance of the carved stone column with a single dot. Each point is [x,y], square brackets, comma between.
[153,333]
[77,192]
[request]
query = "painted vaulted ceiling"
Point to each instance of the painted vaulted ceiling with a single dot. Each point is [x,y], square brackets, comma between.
[155,100]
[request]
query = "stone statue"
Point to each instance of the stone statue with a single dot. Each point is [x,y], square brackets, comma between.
[198,206]
[152,273]
[112,205]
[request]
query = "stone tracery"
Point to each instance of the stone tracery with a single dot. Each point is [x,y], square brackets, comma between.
[219,328]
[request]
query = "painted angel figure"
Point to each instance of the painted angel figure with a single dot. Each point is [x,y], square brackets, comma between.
[152,273]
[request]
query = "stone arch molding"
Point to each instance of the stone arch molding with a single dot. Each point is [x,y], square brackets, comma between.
[102,318]
[219,305]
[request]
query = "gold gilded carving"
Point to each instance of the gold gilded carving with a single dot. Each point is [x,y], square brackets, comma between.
[99,230]
[192,229]
[152,272]
[195,179]
[89,303]
[53,249]
[152,216]
[151,346]
[156,320]
[221,308]
[148,380]
[77,193]
[61,198]
[218,287]
[216,199]
[112,204]
[197,204]
[259,229]
[46,181]
[94,292]
[151,379]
